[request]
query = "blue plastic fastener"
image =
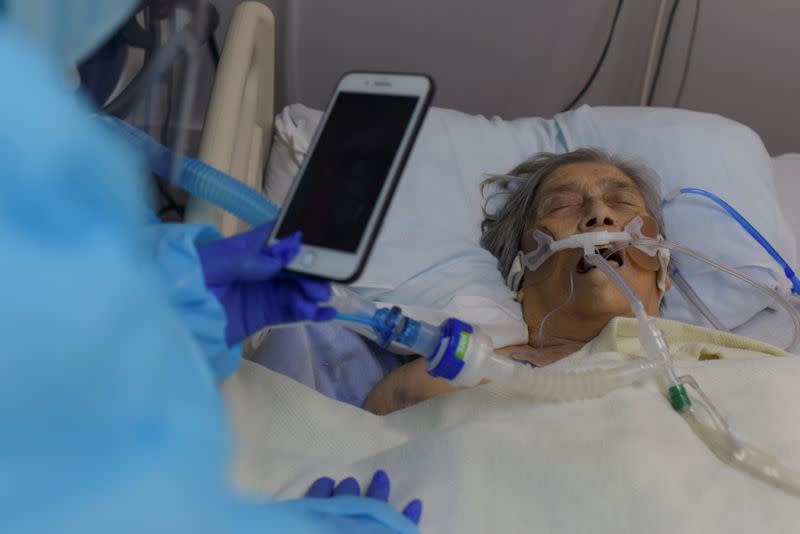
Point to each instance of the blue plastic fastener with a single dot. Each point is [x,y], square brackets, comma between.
[449,361]
[409,334]
[388,324]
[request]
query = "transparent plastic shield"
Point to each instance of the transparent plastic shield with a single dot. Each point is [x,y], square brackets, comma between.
[69,29]
[543,245]
[168,38]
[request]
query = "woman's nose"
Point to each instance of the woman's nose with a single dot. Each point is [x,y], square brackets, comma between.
[598,216]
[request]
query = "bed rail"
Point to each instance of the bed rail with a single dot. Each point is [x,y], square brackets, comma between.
[238,128]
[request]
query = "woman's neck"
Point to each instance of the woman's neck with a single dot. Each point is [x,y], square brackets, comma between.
[553,337]
[541,356]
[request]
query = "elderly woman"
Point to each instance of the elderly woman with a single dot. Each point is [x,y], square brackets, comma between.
[565,303]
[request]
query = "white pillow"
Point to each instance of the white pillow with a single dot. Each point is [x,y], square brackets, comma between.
[787,185]
[428,251]
[724,157]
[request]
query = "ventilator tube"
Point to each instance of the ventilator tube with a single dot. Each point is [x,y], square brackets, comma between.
[706,422]
[749,228]
[200,179]
[713,430]
[463,355]
[690,295]
[793,347]
[650,336]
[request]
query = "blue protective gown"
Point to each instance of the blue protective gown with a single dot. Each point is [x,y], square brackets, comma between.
[110,345]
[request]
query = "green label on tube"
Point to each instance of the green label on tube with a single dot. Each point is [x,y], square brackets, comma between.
[463,344]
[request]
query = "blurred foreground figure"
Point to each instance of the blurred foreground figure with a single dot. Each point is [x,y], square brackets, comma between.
[113,344]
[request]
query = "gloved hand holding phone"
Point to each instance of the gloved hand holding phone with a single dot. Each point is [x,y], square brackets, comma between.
[248,279]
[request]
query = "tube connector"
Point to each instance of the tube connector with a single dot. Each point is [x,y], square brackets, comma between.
[679,398]
[389,325]
[454,342]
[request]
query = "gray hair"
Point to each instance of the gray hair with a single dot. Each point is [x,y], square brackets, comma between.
[502,229]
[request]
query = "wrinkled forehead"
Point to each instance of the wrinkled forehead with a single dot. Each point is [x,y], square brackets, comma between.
[585,179]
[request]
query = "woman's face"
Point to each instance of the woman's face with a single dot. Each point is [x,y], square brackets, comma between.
[578,198]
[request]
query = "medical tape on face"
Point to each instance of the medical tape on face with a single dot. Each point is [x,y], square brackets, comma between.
[648,257]
[546,246]
[652,258]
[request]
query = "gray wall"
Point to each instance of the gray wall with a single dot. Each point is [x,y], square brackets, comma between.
[521,58]
[745,65]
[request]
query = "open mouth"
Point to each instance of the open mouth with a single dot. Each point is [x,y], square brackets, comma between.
[616,260]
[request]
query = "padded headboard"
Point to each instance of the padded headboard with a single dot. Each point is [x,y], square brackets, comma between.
[238,128]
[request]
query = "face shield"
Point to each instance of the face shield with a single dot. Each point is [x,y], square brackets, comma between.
[69,29]
[138,60]
[165,43]
[150,74]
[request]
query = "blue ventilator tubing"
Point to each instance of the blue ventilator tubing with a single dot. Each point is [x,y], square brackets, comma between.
[454,350]
[744,223]
[386,326]
[200,179]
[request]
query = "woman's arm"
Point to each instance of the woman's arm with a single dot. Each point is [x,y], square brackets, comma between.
[404,387]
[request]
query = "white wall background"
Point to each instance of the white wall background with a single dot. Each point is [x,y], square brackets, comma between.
[530,57]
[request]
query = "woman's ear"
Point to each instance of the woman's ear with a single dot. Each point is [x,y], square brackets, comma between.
[515,274]
[519,296]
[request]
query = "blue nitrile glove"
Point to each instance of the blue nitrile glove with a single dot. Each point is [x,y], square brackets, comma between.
[247,278]
[379,489]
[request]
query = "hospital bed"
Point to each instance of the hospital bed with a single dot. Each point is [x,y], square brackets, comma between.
[599,477]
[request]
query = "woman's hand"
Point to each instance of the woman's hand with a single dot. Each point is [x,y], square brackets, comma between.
[404,387]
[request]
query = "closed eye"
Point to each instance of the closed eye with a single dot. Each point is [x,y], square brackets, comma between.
[561,208]
[561,203]
[624,200]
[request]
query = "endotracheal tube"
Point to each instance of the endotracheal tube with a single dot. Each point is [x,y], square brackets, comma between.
[703,417]
[650,335]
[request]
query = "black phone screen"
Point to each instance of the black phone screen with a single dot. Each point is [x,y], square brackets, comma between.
[348,169]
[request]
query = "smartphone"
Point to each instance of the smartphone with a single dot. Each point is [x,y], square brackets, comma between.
[350,172]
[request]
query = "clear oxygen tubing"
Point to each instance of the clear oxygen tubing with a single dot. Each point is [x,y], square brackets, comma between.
[555,310]
[712,429]
[687,291]
[200,179]
[726,445]
[650,335]
[387,327]
[553,385]
[749,228]
[793,314]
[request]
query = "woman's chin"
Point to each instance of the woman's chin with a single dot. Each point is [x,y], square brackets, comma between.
[604,300]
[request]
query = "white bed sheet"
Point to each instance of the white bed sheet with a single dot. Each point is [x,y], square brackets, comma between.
[490,460]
